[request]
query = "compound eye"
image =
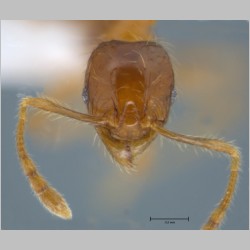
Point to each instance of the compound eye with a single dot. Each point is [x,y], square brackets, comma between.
[173,95]
[85,95]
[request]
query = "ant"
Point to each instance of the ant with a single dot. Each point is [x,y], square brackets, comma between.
[128,90]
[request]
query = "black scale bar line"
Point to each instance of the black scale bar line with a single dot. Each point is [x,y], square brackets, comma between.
[187,218]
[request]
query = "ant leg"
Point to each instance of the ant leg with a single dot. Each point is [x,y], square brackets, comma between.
[47,195]
[217,215]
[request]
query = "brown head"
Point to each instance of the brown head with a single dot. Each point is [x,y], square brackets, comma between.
[129,85]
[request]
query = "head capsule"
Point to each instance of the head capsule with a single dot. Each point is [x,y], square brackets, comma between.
[129,85]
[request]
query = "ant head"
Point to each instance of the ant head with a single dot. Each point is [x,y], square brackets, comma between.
[129,85]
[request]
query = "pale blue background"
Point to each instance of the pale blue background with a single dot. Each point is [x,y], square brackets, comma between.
[172,188]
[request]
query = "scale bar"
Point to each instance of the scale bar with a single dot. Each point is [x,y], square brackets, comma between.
[187,218]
